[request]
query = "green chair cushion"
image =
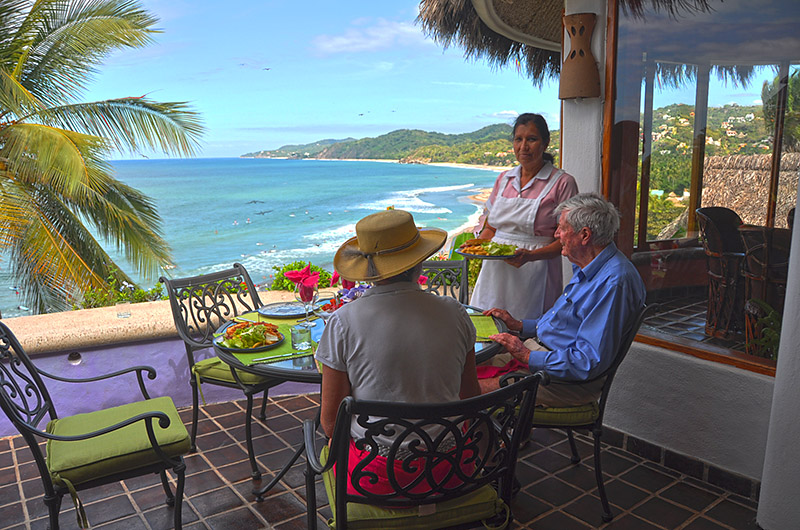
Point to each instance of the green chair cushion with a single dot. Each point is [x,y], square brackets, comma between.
[122,450]
[214,368]
[476,506]
[566,416]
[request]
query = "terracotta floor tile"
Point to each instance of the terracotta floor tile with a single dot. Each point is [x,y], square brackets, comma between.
[693,498]
[647,478]
[555,493]
[662,512]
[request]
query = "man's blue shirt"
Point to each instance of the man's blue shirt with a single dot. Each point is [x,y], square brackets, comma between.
[584,328]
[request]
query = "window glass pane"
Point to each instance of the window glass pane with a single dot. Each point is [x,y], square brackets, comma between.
[699,101]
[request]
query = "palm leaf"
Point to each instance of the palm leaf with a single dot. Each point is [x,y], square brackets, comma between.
[135,123]
[64,41]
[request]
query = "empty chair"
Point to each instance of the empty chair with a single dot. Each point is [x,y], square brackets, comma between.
[766,263]
[200,304]
[448,277]
[719,228]
[95,448]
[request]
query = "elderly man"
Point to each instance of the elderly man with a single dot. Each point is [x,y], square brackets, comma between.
[577,339]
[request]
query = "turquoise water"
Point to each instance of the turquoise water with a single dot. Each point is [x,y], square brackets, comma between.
[267,212]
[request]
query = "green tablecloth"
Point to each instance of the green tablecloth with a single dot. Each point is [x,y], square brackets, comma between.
[284,327]
[484,326]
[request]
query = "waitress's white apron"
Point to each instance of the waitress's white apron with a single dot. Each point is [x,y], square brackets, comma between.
[520,291]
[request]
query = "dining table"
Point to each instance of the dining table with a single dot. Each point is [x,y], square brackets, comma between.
[280,361]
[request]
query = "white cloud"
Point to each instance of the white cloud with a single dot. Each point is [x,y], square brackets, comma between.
[366,37]
[505,114]
[757,102]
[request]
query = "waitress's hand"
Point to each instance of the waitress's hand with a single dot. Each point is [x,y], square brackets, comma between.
[521,257]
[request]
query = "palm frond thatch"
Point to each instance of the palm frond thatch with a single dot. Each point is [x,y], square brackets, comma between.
[456,22]
[739,182]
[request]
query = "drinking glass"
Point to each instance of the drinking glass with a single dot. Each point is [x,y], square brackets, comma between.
[301,338]
[308,296]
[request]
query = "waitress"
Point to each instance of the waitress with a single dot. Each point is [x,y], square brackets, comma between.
[520,211]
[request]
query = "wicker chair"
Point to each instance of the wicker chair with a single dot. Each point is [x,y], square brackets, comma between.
[724,255]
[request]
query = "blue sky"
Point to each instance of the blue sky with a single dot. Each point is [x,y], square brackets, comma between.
[269,73]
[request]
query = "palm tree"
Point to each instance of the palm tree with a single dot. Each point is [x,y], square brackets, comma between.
[56,188]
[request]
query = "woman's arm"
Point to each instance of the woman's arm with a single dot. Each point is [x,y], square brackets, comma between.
[487,232]
[469,378]
[523,256]
[335,387]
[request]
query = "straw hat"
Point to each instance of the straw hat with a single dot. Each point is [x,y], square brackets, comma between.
[386,244]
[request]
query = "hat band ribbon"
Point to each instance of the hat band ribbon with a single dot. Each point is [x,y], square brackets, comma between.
[372,270]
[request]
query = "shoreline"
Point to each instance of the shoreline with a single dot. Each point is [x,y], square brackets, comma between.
[483,167]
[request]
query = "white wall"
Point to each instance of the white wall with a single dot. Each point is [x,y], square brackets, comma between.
[709,411]
[582,120]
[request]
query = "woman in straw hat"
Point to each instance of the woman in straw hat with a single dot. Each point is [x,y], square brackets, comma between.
[397,342]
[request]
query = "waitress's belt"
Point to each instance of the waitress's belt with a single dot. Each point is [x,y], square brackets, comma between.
[520,240]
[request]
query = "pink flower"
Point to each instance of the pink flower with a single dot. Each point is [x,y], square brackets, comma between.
[422,280]
[298,276]
[334,278]
[347,284]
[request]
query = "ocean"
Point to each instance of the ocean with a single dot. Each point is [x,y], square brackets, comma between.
[268,212]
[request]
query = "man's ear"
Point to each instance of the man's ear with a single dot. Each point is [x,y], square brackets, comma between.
[586,236]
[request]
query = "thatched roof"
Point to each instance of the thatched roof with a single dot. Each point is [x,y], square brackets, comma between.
[524,33]
[741,182]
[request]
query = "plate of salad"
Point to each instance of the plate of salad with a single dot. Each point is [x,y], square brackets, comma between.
[249,337]
[484,249]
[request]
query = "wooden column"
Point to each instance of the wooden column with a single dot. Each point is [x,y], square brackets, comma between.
[698,145]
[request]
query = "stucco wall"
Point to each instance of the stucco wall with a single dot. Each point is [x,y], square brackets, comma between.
[710,411]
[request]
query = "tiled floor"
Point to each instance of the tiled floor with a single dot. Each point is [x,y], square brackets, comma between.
[555,494]
[686,317]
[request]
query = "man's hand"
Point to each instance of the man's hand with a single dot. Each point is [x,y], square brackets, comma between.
[513,345]
[512,323]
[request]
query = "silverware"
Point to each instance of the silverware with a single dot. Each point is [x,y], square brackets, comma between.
[278,357]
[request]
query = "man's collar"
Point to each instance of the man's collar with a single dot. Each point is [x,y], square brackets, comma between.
[597,263]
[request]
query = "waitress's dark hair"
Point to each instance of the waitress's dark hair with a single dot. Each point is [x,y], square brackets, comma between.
[541,124]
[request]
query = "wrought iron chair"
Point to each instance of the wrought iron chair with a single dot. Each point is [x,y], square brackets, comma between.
[95,448]
[200,304]
[589,416]
[448,277]
[476,440]
[724,256]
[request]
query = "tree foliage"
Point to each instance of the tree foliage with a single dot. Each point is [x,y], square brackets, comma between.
[791,124]
[56,187]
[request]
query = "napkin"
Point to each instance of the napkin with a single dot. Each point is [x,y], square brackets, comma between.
[484,326]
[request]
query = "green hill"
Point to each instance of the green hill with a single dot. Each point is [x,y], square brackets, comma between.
[296,151]
[489,145]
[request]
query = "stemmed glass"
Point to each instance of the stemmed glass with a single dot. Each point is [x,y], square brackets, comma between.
[308,295]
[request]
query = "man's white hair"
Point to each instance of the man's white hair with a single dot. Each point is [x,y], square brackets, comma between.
[593,211]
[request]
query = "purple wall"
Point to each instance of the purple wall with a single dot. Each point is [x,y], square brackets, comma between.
[168,357]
